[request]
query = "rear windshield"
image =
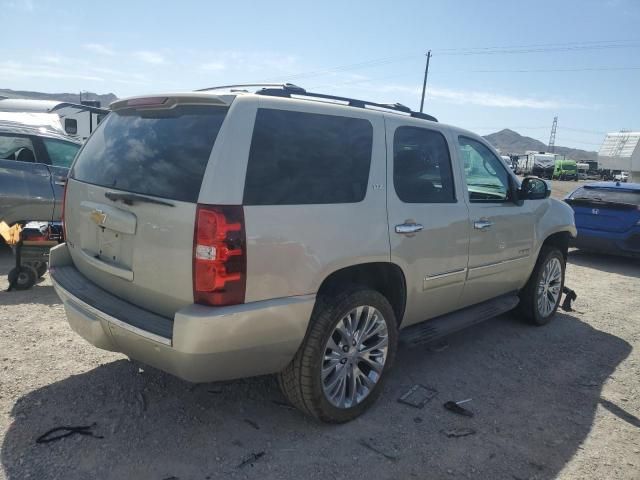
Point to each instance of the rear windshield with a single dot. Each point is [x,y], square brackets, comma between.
[606,195]
[159,153]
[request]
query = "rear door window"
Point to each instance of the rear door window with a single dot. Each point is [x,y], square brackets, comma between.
[61,153]
[422,166]
[307,158]
[162,153]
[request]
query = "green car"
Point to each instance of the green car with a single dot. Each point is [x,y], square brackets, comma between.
[566,170]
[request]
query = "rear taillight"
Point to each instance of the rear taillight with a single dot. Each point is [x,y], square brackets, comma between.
[219,255]
[64,199]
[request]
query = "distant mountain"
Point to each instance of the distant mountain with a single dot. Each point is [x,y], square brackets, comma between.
[105,99]
[510,142]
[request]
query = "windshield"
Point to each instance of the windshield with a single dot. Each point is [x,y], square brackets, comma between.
[161,153]
[606,195]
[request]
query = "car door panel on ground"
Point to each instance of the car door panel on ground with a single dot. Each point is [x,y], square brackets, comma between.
[428,220]
[26,192]
[501,231]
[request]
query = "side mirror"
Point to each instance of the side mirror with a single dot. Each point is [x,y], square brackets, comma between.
[533,188]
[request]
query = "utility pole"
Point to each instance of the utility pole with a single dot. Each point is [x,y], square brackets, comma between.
[424,83]
[552,138]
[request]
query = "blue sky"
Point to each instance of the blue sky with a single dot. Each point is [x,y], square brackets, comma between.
[496,64]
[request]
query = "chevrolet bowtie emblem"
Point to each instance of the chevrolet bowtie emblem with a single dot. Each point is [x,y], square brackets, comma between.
[98,216]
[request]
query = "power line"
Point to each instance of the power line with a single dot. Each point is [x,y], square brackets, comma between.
[510,51]
[406,74]
[566,44]
[546,70]
[533,48]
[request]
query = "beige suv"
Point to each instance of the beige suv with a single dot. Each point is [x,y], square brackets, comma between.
[229,233]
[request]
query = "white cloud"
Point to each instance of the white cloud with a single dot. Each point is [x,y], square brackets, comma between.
[26,5]
[54,59]
[100,49]
[474,97]
[213,66]
[490,99]
[266,63]
[17,70]
[147,56]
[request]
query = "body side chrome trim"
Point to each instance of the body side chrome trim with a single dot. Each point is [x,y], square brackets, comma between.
[502,262]
[445,274]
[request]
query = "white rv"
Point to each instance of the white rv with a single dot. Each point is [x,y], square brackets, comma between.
[539,164]
[77,120]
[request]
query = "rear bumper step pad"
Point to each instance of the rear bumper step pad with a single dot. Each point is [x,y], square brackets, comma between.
[76,284]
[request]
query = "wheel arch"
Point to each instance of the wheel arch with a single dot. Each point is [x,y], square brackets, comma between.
[385,277]
[559,240]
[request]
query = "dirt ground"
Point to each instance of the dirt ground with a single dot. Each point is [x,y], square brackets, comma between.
[560,401]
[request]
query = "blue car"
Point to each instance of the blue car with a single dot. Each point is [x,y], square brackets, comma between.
[607,217]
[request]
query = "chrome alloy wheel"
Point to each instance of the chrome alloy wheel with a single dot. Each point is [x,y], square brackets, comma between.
[549,287]
[354,357]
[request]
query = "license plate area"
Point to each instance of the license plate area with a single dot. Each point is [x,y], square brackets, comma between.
[114,247]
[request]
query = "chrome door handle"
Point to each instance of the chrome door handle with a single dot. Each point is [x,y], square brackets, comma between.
[405,228]
[482,224]
[62,181]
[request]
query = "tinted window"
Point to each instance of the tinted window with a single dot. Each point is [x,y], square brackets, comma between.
[305,158]
[421,166]
[485,174]
[71,126]
[607,195]
[61,153]
[17,148]
[162,153]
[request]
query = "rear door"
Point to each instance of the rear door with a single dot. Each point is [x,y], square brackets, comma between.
[502,232]
[25,183]
[428,220]
[132,197]
[60,155]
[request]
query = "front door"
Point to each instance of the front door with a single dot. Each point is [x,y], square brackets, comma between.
[502,232]
[25,183]
[428,221]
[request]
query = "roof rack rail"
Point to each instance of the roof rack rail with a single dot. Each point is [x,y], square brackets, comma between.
[289,86]
[289,89]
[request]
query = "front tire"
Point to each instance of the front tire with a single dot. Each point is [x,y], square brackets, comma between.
[340,368]
[540,298]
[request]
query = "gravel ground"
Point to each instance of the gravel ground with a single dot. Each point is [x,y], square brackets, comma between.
[560,401]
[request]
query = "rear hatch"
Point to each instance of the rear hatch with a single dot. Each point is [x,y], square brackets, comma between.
[132,195]
[607,210]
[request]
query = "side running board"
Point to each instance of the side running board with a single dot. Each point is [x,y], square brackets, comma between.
[436,328]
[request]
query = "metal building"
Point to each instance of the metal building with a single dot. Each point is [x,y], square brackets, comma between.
[621,151]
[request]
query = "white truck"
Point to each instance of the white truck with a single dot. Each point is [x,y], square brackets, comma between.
[538,164]
[77,120]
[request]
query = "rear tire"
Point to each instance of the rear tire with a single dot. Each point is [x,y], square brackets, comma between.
[22,278]
[540,298]
[341,366]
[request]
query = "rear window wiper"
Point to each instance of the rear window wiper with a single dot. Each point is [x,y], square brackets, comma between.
[131,198]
